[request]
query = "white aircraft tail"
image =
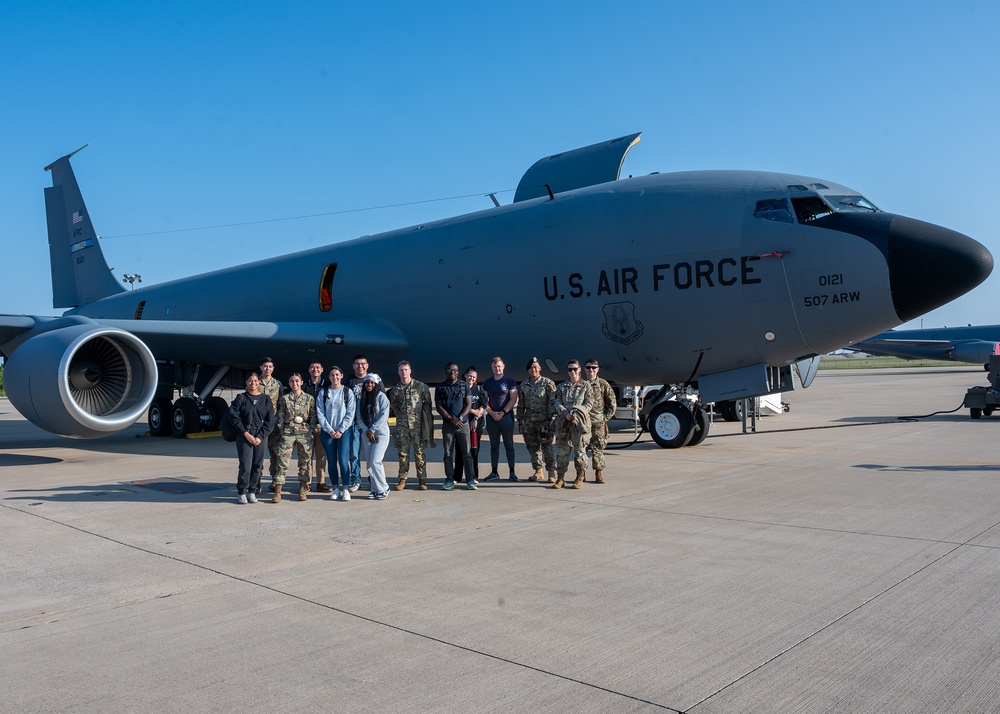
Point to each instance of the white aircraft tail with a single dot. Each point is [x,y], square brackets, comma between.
[80,273]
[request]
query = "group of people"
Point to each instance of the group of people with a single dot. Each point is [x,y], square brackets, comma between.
[338,423]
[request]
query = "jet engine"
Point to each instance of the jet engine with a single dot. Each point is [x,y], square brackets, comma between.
[976,352]
[82,381]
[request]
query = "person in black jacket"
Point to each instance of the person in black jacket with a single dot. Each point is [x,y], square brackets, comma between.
[253,417]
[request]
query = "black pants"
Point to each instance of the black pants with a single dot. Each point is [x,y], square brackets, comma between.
[251,464]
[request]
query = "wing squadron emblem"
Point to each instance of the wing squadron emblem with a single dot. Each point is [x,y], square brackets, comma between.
[620,324]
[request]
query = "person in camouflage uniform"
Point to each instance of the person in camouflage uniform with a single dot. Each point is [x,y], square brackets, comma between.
[573,395]
[603,409]
[272,388]
[295,424]
[411,402]
[534,412]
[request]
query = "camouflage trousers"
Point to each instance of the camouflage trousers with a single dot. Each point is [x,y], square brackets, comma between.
[598,442]
[539,444]
[294,442]
[273,445]
[568,440]
[403,440]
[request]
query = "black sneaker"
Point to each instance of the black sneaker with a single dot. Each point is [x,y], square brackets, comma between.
[492,477]
[513,476]
[372,496]
[382,496]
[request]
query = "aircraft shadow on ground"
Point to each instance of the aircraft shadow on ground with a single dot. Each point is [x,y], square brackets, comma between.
[155,490]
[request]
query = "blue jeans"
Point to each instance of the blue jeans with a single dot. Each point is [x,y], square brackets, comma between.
[338,458]
[356,435]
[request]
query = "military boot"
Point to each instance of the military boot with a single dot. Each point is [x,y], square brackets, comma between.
[580,474]
[558,483]
[276,498]
[401,485]
[421,484]
[537,476]
[552,476]
[303,491]
[599,476]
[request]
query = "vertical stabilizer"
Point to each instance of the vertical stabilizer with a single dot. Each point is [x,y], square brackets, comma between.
[80,273]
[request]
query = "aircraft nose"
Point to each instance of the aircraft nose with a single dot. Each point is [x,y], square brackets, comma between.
[930,265]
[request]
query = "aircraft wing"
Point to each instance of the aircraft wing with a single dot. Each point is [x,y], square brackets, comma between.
[958,350]
[245,343]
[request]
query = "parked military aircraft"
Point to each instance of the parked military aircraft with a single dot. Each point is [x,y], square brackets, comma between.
[717,282]
[959,344]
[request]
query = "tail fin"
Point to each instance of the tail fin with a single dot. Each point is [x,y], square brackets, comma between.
[80,273]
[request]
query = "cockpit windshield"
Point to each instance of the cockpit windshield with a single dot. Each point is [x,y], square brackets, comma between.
[843,204]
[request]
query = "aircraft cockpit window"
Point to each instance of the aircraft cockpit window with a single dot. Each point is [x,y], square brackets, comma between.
[843,204]
[809,208]
[326,288]
[773,209]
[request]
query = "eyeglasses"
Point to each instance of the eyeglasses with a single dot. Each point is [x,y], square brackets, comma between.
[572,369]
[592,367]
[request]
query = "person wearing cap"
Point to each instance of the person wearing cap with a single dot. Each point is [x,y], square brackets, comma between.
[534,413]
[373,422]
[355,435]
[572,404]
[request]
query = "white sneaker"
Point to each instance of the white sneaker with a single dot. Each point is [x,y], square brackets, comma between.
[252,497]
[242,499]
[345,495]
[355,487]
[335,496]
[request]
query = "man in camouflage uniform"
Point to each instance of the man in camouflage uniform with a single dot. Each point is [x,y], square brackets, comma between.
[534,411]
[295,423]
[272,388]
[572,404]
[411,402]
[602,409]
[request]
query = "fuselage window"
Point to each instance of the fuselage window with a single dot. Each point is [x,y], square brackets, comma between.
[326,288]
[809,208]
[773,209]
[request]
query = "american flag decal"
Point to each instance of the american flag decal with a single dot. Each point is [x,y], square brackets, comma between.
[77,218]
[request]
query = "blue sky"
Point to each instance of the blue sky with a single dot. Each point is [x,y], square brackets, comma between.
[215,113]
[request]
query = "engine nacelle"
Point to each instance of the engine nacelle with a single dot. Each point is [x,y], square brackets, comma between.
[82,380]
[978,352]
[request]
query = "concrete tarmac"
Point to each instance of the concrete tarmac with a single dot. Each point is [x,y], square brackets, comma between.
[838,560]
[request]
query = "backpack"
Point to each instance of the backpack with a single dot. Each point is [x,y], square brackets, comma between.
[228,426]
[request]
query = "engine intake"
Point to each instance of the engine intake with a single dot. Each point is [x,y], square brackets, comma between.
[82,381]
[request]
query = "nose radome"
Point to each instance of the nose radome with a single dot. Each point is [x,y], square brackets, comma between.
[930,266]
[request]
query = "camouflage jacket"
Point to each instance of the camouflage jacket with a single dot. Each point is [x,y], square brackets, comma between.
[569,395]
[604,402]
[534,401]
[271,388]
[290,407]
[413,407]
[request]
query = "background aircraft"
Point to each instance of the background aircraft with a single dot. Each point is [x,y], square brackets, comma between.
[717,282]
[959,344]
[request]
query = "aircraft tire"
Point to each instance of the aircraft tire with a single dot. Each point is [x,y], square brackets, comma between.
[217,408]
[158,417]
[671,425]
[702,425]
[184,417]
